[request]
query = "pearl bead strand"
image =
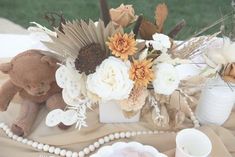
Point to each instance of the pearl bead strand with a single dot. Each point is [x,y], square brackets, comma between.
[86,151]
[91,148]
[193,118]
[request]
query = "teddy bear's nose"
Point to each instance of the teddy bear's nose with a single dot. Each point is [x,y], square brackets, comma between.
[40,93]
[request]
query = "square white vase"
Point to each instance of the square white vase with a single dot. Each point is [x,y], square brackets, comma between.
[110,112]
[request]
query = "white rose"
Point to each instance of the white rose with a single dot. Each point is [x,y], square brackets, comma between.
[167,79]
[111,80]
[160,42]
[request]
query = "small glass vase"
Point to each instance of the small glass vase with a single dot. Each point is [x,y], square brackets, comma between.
[216,102]
[110,112]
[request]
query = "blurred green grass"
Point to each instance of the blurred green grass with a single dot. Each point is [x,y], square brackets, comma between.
[197,13]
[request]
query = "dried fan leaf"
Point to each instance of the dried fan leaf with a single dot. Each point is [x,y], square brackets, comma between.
[79,35]
[161,14]
[147,29]
[92,30]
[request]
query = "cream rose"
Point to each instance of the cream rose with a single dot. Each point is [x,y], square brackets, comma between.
[111,80]
[166,79]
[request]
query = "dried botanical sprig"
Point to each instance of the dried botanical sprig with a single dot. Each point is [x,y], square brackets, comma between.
[160,114]
[192,46]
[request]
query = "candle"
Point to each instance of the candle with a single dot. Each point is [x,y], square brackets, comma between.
[192,143]
[216,102]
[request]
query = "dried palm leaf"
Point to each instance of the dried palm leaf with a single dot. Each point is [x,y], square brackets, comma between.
[84,42]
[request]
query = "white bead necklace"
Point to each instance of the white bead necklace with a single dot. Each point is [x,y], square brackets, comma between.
[89,149]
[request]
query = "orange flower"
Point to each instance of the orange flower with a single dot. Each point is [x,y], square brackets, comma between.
[141,72]
[122,45]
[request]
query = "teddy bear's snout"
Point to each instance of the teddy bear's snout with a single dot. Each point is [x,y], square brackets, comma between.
[38,90]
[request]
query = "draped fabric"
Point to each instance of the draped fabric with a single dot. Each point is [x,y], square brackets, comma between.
[222,137]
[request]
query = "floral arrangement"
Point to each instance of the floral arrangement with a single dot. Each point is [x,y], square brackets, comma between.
[101,61]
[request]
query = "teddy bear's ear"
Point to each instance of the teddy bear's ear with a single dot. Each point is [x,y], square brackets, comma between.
[5,67]
[51,61]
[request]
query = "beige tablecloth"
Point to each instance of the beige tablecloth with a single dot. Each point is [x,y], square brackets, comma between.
[223,138]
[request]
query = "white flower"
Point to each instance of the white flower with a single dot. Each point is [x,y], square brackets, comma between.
[111,80]
[160,42]
[70,80]
[166,79]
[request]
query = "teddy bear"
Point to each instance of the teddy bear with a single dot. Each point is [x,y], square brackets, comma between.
[32,76]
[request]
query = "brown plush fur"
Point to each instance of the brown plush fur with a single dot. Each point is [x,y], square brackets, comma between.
[32,75]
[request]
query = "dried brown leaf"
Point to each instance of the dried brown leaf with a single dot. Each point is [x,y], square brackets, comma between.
[161,14]
[147,29]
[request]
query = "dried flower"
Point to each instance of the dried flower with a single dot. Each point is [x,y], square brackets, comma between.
[141,72]
[136,100]
[123,15]
[229,73]
[122,45]
[89,58]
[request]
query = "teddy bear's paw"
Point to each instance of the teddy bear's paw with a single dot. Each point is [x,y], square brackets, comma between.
[17,130]
[63,127]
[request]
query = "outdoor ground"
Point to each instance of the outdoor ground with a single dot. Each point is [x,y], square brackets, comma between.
[197,13]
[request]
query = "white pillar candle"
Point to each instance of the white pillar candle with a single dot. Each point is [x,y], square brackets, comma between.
[216,102]
[192,143]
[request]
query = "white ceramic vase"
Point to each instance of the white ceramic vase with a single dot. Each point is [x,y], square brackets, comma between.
[110,112]
[216,102]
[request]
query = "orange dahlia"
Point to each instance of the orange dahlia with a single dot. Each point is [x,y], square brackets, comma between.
[122,45]
[141,72]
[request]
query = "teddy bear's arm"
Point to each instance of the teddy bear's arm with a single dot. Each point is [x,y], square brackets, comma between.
[7,91]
